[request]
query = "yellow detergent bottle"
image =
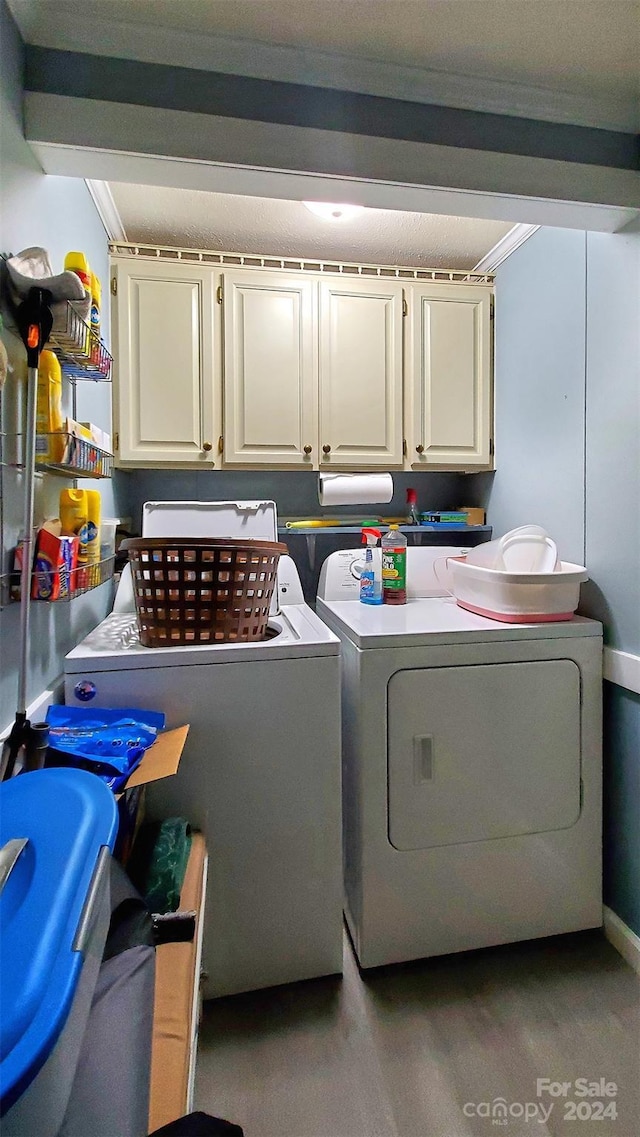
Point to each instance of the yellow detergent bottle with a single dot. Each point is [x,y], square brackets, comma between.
[49,444]
[78,263]
[96,295]
[74,515]
[94,503]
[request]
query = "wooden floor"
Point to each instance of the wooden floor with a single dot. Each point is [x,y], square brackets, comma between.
[401,1052]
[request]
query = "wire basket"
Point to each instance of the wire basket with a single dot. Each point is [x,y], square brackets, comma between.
[202,590]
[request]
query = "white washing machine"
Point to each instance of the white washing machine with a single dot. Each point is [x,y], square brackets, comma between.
[471,769]
[260,773]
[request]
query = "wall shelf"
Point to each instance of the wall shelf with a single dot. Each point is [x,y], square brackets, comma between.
[65,454]
[84,579]
[78,457]
[81,352]
[441,527]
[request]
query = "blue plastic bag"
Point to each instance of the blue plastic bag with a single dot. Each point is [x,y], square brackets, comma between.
[108,742]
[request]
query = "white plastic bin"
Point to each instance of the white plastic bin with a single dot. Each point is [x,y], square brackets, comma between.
[517,597]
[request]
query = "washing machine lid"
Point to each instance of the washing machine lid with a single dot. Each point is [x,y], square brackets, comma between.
[434,620]
[114,645]
[254,520]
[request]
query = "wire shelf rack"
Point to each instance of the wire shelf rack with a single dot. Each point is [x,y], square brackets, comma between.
[59,585]
[67,454]
[78,346]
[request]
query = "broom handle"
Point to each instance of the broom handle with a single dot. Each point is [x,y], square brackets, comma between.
[27,548]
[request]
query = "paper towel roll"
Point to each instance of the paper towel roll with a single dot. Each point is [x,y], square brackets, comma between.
[354,489]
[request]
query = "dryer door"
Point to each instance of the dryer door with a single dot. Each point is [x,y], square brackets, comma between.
[482,752]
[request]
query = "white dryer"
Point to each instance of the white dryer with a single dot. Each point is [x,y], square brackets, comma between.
[471,769]
[260,773]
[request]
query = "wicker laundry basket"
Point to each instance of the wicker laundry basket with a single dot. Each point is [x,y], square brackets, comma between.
[202,590]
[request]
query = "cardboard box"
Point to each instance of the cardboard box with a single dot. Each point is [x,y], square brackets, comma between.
[160,761]
[475,516]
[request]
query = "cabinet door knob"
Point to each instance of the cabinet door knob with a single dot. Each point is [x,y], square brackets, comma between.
[207,446]
[326,449]
[308,449]
[420,449]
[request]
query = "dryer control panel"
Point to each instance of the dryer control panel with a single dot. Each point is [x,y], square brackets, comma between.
[427,572]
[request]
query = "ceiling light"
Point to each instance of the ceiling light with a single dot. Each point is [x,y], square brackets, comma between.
[329,211]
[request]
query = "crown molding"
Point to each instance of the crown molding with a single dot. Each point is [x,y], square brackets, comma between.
[505,247]
[84,32]
[107,209]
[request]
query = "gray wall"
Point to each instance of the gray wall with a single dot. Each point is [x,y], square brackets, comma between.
[57,213]
[568,456]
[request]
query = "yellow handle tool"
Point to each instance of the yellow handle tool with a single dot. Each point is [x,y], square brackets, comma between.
[329,523]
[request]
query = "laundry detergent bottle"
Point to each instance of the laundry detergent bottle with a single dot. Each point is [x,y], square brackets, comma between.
[394,566]
[50,441]
[94,503]
[74,515]
[371,575]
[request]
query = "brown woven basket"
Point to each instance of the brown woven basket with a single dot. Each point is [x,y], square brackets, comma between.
[202,590]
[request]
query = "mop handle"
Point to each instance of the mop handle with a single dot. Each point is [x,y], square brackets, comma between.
[34,320]
[27,526]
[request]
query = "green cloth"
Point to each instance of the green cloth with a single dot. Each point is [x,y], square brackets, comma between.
[163,865]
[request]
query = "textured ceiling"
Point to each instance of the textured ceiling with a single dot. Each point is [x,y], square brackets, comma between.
[589,47]
[192,219]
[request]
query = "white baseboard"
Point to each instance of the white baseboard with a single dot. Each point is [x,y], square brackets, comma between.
[622,667]
[38,708]
[622,937]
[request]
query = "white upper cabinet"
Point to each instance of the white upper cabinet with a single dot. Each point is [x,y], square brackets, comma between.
[270,366]
[449,396]
[299,370]
[360,373]
[163,337]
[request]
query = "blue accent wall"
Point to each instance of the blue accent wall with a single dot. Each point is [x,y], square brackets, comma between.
[540,390]
[58,214]
[612,517]
[613,435]
[568,457]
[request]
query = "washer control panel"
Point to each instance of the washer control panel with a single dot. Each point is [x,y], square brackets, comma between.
[340,575]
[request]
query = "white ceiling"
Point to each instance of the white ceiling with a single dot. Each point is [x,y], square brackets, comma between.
[587,49]
[226,222]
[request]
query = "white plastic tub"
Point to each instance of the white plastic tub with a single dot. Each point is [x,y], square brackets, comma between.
[517,597]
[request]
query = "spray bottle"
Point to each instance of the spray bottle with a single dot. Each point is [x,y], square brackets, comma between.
[413,517]
[371,575]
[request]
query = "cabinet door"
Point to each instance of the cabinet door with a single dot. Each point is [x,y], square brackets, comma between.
[360,373]
[163,332]
[270,369]
[461,769]
[450,407]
